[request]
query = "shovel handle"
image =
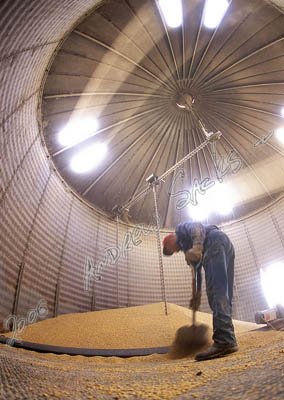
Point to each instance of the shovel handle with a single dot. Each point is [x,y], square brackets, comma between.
[194,287]
[194,283]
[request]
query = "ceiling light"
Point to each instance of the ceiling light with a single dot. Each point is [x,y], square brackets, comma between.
[279,133]
[218,198]
[214,12]
[202,209]
[223,207]
[88,158]
[199,212]
[77,131]
[272,283]
[282,111]
[172,11]
[221,198]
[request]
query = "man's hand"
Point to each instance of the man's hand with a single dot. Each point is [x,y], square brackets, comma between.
[195,301]
[194,255]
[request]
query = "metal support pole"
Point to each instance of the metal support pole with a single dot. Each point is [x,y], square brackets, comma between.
[127,271]
[277,227]
[160,249]
[57,289]
[26,249]
[93,305]
[57,294]
[94,296]
[17,294]
[117,272]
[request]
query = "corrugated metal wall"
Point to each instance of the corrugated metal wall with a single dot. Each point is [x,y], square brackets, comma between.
[33,205]
[258,241]
[46,232]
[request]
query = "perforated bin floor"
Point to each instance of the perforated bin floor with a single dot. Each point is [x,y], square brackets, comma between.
[255,372]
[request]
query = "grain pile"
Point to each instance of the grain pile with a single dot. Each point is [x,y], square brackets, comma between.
[124,328]
[253,373]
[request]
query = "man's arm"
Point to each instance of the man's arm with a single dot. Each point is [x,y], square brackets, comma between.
[198,234]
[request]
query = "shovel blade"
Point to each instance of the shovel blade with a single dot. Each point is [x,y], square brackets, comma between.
[189,340]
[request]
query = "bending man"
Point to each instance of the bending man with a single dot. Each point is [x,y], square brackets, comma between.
[207,243]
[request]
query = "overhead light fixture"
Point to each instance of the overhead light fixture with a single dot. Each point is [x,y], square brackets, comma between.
[214,12]
[77,131]
[202,209]
[200,212]
[279,133]
[172,11]
[219,199]
[272,283]
[282,111]
[89,158]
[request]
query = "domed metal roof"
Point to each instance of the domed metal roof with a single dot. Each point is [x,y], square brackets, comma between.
[157,91]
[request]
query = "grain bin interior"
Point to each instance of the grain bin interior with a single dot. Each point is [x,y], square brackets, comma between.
[142,95]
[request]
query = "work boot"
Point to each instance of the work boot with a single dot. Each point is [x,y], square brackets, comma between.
[215,351]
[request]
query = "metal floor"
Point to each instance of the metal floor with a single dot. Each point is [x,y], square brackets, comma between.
[255,372]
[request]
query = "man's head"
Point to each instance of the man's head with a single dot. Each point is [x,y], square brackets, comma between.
[170,245]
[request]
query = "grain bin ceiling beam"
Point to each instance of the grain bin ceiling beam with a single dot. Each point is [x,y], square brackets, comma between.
[220,48]
[107,65]
[167,124]
[172,123]
[105,129]
[231,121]
[256,64]
[209,43]
[151,39]
[175,161]
[245,161]
[169,39]
[79,94]
[196,42]
[163,125]
[180,137]
[183,49]
[250,108]
[278,4]
[130,39]
[122,154]
[230,54]
[213,78]
[249,86]
[124,57]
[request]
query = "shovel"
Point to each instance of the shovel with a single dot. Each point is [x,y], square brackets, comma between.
[194,291]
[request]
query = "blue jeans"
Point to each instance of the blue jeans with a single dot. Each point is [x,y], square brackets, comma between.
[218,262]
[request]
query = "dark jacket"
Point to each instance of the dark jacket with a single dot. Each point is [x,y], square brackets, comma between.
[192,233]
